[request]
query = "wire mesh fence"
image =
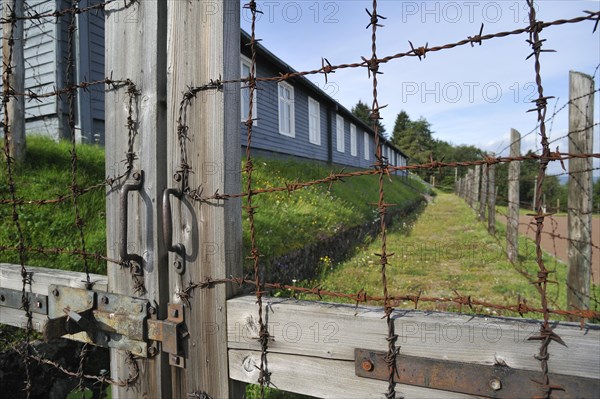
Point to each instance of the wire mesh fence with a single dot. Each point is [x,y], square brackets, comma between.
[15,207]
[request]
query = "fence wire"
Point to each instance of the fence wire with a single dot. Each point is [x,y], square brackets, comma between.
[259,281]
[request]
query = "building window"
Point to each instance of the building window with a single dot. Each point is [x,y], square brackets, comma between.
[286,109]
[339,130]
[366,140]
[314,121]
[245,100]
[353,145]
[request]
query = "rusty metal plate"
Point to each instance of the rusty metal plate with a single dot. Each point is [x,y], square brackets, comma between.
[76,299]
[13,299]
[123,315]
[100,318]
[475,379]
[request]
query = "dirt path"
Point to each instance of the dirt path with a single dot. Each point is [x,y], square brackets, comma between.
[555,238]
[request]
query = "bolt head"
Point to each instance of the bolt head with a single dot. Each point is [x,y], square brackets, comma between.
[367,365]
[177,177]
[152,351]
[38,304]
[55,292]
[104,300]
[137,175]
[178,265]
[495,384]
[152,310]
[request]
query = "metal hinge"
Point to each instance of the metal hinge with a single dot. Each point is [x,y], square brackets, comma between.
[497,381]
[105,319]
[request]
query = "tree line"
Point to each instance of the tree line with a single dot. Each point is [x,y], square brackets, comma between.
[415,139]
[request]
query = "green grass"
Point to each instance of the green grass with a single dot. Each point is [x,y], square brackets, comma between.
[284,221]
[446,250]
[45,174]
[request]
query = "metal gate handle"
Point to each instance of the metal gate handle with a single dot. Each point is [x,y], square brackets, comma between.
[135,185]
[179,248]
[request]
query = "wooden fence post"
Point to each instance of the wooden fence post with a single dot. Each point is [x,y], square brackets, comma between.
[483,192]
[491,197]
[581,122]
[16,80]
[469,190]
[136,50]
[512,225]
[203,46]
[476,185]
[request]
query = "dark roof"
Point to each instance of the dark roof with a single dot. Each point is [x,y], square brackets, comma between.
[279,64]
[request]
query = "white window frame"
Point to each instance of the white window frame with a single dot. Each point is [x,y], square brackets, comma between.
[367,154]
[353,144]
[314,121]
[339,133]
[286,102]
[245,61]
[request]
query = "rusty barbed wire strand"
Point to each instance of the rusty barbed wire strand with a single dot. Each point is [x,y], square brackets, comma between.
[130,360]
[338,177]
[547,334]
[264,337]
[65,11]
[10,163]
[381,168]
[419,52]
[79,222]
[362,296]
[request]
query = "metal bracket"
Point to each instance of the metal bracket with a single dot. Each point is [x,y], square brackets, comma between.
[99,318]
[14,299]
[497,381]
[166,331]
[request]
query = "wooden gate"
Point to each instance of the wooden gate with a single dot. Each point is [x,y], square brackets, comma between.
[168,131]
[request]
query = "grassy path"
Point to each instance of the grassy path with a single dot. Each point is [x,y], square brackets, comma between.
[447,249]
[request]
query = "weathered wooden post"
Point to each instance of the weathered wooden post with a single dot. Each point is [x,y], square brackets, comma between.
[581,122]
[491,197]
[476,185]
[134,222]
[204,46]
[483,192]
[512,225]
[15,80]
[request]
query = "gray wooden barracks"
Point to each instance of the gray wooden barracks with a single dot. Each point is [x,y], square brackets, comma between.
[294,118]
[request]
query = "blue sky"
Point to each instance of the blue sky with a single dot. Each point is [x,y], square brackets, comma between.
[469,95]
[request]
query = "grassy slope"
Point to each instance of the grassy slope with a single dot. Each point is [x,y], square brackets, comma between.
[284,222]
[45,174]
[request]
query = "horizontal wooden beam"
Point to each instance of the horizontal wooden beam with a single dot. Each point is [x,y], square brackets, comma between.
[41,279]
[324,335]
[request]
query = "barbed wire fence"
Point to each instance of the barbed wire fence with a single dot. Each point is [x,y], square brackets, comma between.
[258,280]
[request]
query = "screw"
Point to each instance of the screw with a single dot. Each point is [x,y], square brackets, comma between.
[177,176]
[105,300]
[137,175]
[152,310]
[152,351]
[367,365]
[495,384]
[178,265]
[55,292]
[38,304]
